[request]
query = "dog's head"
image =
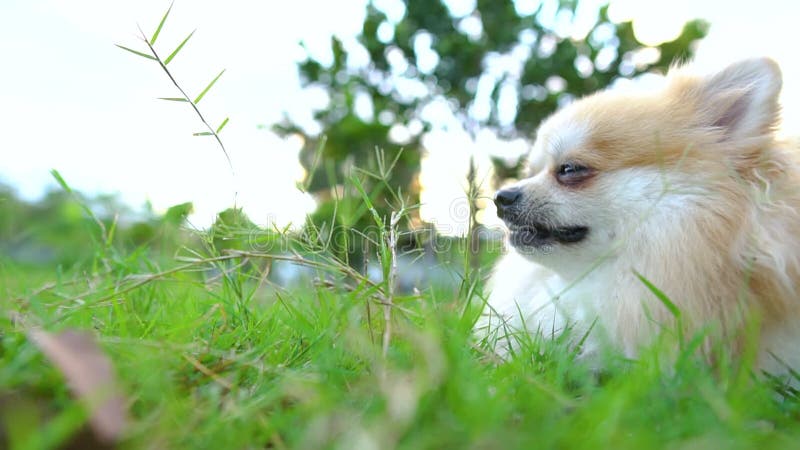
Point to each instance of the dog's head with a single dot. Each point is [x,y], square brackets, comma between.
[611,160]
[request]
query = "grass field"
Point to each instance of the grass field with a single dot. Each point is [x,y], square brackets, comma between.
[210,354]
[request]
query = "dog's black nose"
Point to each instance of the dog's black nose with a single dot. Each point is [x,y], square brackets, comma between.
[504,198]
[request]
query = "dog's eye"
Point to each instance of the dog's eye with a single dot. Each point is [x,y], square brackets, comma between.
[572,173]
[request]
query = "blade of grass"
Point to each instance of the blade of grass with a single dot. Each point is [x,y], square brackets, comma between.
[368,202]
[222,125]
[161,25]
[202,94]
[61,181]
[173,99]
[203,133]
[315,165]
[177,49]
[143,55]
[111,231]
[660,295]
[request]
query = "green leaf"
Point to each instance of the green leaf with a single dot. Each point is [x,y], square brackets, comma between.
[111,231]
[202,94]
[660,295]
[222,125]
[203,133]
[173,99]
[175,52]
[61,181]
[367,201]
[144,55]
[161,24]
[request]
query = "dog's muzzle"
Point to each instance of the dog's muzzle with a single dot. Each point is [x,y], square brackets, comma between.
[526,230]
[505,199]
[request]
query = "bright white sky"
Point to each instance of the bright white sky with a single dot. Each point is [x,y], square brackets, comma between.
[72,101]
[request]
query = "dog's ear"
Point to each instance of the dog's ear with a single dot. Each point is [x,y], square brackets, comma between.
[742,100]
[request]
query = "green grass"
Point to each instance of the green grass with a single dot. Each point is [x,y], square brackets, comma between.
[211,356]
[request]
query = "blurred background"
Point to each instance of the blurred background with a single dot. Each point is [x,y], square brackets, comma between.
[449,91]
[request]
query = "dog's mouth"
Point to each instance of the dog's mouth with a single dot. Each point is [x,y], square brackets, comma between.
[536,235]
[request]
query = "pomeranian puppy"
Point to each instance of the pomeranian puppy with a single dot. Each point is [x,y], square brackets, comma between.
[685,191]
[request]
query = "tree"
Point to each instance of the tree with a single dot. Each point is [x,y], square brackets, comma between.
[496,66]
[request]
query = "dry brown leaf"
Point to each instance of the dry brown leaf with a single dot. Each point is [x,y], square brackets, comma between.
[90,376]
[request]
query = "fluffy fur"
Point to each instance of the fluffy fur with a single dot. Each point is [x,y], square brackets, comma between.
[688,187]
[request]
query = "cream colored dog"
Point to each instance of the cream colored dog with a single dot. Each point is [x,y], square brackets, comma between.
[687,188]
